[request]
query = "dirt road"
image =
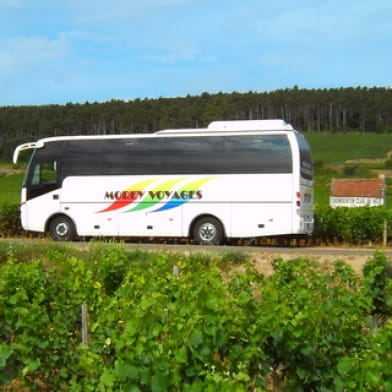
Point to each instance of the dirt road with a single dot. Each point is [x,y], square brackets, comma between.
[261,256]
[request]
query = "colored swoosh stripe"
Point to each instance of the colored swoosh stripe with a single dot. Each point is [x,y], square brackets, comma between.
[176,202]
[149,200]
[120,203]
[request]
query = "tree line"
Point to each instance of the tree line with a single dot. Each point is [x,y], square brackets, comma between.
[360,109]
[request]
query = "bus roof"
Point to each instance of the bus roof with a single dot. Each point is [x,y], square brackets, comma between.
[250,125]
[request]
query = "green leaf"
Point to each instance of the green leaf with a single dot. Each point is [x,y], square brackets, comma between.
[344,366]
[125,371]
[5,352]
[302,374]
[130,388]
[212,303]
[160,382]
[107,378]
[205,350]
[373,378]
[31,365]
[181,355]
[196,338]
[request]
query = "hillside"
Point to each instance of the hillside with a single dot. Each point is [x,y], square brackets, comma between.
[329,110]
[339,149]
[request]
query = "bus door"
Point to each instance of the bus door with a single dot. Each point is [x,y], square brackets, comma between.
[42,191]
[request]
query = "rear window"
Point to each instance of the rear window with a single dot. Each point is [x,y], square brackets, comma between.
[259,154]
[305,158]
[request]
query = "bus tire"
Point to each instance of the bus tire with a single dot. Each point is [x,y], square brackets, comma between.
[61,228]
[208,231]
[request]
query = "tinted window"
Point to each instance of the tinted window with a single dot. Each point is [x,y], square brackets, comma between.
[305,158]
[50,152]
[187,155]
[174,155]
[259,154]
[82,158]
[132,156]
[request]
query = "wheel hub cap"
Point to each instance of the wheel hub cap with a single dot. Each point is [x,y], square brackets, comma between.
[207,232]
[62,229]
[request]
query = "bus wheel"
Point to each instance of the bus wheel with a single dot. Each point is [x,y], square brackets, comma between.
[208,231]
[62,228]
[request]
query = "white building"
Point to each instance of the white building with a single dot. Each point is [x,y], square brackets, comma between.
[357,192]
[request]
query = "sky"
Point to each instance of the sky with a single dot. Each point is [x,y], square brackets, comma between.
[61,51]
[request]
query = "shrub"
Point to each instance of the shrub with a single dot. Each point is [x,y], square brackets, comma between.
[351,225]
[310,319]
[10,220]
[150,329]
[378,272]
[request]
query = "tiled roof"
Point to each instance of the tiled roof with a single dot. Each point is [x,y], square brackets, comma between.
[357,188]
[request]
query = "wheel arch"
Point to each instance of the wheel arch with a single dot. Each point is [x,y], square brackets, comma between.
[57,215]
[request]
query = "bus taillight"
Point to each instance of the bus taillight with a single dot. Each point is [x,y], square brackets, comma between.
[298,202]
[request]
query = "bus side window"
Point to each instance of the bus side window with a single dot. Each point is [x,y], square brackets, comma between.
[36,179]
[44,173]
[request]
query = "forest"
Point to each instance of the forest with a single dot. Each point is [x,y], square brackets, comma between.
[360,109]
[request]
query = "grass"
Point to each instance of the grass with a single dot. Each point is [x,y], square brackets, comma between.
[322,185]
[335,149]
[10,188]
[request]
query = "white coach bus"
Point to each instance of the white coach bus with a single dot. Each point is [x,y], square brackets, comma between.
[234,179]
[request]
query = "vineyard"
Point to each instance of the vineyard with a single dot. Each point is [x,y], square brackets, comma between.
[104,318]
